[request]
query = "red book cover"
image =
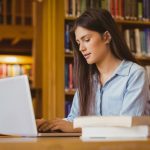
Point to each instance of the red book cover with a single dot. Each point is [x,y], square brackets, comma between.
[4,70]
[117,9]
[1,71]
[121,8]
[112,6]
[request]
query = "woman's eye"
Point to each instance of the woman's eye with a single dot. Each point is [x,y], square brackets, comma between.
[87,40]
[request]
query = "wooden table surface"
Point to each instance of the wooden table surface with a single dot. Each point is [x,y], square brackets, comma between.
[68,143]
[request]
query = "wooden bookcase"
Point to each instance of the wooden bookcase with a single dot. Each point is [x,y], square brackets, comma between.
[129,22]
[17,44]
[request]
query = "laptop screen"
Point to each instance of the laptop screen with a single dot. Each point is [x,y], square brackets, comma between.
[16,110]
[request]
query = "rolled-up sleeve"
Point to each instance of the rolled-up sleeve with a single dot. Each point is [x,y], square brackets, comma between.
[136,94]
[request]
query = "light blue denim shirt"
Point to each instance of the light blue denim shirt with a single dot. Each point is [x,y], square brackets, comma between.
[126,92]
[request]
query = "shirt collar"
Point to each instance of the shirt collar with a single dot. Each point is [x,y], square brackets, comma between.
[124,68]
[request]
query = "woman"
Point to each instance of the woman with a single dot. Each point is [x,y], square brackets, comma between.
[109,81]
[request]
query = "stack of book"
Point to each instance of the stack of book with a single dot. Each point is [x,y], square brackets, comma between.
[113,126]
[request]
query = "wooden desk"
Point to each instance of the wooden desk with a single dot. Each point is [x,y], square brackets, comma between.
[70,144]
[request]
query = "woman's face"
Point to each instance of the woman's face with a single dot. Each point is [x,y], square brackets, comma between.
[91,44]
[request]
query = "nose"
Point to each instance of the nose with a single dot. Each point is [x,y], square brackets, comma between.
[82,47]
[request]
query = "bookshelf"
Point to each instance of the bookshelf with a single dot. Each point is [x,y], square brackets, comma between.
[129,15]
[16,37]
[17,44]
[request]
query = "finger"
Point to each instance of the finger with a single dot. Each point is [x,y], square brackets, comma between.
[43,126]
[52,125]
[39,122]
[56,128]
[46,129]
[47,125]
[55,121]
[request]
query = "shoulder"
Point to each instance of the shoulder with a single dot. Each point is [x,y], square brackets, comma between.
[136,75]
[134,68]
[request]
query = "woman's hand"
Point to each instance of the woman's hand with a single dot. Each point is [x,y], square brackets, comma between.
[54,125]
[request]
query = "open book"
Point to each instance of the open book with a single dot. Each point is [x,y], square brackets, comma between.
[117,121]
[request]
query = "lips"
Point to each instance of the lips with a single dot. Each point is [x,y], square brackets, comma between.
[87,55]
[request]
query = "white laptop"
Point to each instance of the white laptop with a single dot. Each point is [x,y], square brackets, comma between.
[16,110]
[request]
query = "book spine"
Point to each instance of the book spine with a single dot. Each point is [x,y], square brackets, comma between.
[8,12]
[68,104]
[66,7]
[28,12]
[148,41]
[66,76]
[73,8]
[140,10]
[1,12]
[78,8]
[138,41]
[127,37]
[132,41]
[145,44]
[18,12]
[117,9]
[142,36]
[67,38]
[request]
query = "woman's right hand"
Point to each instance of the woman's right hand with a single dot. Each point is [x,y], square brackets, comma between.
[42,125]
[55,125]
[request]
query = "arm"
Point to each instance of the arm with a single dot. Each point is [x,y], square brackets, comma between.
[65,125]
[136,94]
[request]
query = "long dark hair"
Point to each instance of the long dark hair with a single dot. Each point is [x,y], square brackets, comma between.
[85,74]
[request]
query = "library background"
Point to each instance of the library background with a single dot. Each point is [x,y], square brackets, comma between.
[34,40]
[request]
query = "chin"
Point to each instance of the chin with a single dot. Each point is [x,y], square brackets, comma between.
[90,62]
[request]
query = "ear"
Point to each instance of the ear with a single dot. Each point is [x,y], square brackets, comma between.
[107,37]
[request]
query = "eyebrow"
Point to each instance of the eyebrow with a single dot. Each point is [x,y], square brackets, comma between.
[83,37]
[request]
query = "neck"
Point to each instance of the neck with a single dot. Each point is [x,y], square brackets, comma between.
[107,66]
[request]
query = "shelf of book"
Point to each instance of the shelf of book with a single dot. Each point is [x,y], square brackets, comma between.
[119,21]
[18,53]
[145,58]
[131,22]
[69,54]
[12,65]
[16,12]
[120,9]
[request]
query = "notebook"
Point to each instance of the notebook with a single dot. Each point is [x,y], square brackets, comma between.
[16,110]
